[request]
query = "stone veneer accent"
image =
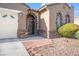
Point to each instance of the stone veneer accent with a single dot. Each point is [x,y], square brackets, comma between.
[42,33]
[52,34]
[22,33]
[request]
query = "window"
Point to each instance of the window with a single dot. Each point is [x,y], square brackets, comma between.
[12,16]
[67,19]
[4,16]
[59,20]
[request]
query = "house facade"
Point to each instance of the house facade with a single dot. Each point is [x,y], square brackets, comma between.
[19,20]
[52,16]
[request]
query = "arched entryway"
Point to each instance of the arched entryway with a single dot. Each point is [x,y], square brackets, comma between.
[31,24]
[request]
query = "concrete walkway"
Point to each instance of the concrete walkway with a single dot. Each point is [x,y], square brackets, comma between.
[12,47]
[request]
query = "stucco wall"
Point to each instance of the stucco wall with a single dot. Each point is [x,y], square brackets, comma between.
[59,8]
[44,22]
[48,17]
[47,21]
[21,22]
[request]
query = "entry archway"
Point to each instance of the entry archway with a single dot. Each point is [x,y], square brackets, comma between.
[31,24]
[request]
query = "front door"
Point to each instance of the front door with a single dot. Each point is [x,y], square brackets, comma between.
[31,27]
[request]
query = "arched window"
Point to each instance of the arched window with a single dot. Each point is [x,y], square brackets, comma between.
[59,20]
[67,20]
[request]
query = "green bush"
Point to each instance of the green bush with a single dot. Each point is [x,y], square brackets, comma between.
[77,34]
[68,30]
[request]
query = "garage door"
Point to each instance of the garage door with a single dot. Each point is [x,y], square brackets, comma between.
[8,24]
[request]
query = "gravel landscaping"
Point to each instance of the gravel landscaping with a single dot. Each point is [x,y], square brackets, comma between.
[53,47]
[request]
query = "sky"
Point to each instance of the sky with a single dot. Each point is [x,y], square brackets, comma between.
[76,9]
[38,5]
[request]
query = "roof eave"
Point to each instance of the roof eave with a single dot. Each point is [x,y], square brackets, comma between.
[52,4]
[42,8]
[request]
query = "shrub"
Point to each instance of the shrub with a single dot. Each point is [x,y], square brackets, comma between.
[77,34]
[68,30]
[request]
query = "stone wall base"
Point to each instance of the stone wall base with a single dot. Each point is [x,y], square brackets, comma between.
[52,34]
[43,33]
[22,34]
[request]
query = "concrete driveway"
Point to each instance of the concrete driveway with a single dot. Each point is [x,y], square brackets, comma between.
[12,47]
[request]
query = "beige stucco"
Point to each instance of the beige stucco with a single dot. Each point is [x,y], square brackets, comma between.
[48,15]
[44,21]
[59,8]
[44,18]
